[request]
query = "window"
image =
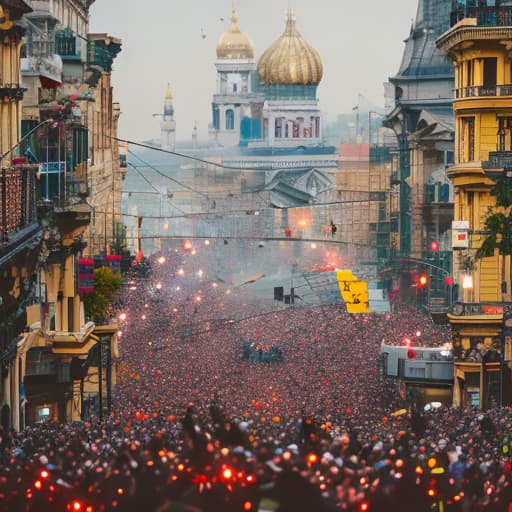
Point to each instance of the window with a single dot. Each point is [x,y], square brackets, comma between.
[230,119]
[469,76]
[467,140]
[490,70]
[505,134]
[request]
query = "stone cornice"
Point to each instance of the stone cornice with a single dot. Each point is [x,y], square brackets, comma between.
[449,41]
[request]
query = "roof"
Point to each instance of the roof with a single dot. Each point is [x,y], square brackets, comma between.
[17,5]
[297,188]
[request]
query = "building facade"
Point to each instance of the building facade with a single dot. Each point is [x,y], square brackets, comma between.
[422,120]
[477,46]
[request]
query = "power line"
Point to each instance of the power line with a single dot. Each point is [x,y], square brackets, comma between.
[195,159]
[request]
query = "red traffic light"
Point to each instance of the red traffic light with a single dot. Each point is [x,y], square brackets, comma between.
[422,280]
[434,246]
[449,281]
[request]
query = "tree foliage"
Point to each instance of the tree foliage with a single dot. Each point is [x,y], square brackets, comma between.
[106,284]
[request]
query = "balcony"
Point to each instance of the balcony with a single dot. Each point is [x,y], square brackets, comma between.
[61,187]
[491,310]
[485,16]
[66,45]
[18,194]
[483,91]
[498,160]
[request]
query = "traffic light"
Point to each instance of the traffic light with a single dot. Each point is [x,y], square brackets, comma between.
[422,280]
[449,281]
[434,246]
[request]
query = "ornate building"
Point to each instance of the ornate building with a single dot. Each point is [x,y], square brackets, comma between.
[236,99]
[168,124]
[422,120]
[478,45]
[289,72]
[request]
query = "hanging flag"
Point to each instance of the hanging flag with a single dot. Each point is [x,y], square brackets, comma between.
[85,276]
[353,291]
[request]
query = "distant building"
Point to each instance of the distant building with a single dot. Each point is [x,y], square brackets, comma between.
[168,124]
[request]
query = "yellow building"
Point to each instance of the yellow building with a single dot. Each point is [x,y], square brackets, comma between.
[11,91]
[479,46]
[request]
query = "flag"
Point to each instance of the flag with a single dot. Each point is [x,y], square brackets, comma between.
[353,291]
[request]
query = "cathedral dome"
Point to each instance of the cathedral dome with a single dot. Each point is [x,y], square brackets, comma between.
[290,60]
[232,44]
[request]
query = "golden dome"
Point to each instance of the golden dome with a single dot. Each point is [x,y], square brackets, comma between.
[290,60]
[232,44]
[168,93]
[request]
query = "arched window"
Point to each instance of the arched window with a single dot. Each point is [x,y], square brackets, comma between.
[230,119]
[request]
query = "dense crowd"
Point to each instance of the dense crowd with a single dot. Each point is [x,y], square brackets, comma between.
[195,426]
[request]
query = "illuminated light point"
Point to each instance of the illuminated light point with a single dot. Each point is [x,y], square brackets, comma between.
[158,286]
[44,474]
[364,506]
[122,317]
[178,288]
[198,299]
[161,260]
[215,285]
[200,273]
[193,252]
[434,246]
[75,506]
[227,473]
[133,288]
[38,485]
[449,281]
[313,246]
[312,458]
[418,333]
[175,310]
[431,492]
[423,280]
[247,506]
[302,223]
[228,292]
[207,242]
[143,317]
[181,272]
[407,342]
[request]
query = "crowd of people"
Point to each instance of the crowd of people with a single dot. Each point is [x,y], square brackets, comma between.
[196,427]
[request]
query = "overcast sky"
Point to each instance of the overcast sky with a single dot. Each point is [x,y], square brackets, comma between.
[360,42]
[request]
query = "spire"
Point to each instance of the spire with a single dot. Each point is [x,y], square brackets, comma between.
[291,21]
[168,93]
[234,17]
[433,15]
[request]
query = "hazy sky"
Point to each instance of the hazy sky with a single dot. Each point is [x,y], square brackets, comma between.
[360,42]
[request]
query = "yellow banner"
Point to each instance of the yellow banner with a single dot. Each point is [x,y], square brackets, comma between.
[353,291]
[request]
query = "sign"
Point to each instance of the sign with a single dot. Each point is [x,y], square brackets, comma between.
[460,234]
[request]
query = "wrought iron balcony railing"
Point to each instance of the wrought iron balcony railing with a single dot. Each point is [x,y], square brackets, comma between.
[498,160]
[479,91]
[485,16]
[18,197]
